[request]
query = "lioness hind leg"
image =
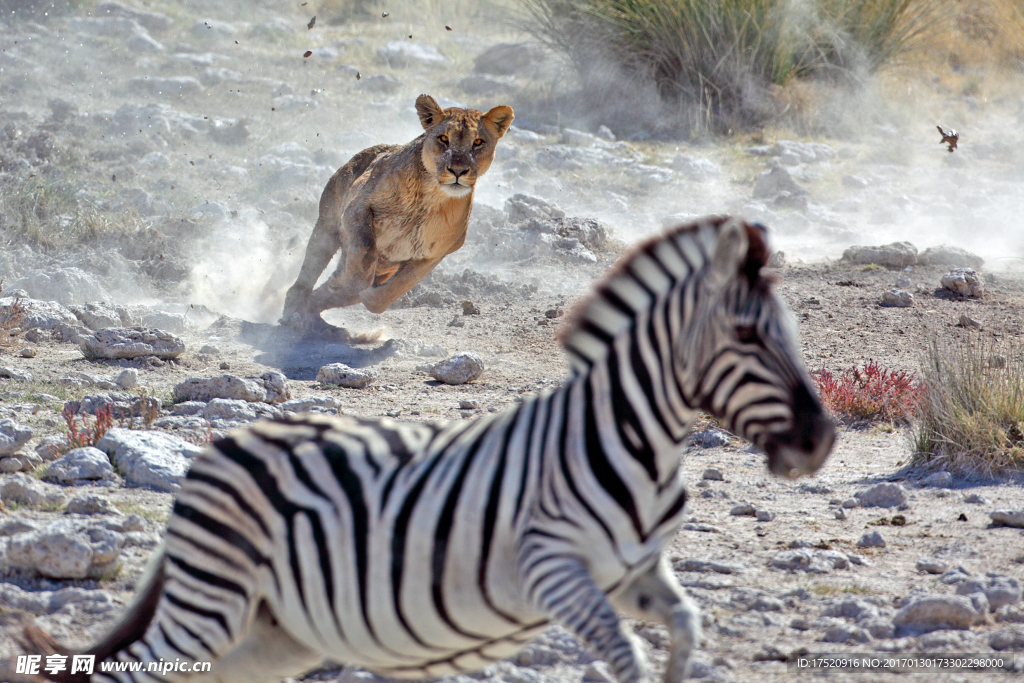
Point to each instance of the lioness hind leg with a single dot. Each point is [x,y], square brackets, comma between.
[657,596]
[323,244]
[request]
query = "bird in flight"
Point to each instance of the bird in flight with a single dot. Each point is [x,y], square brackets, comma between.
[949,138]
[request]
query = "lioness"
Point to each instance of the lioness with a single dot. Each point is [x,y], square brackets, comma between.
[395,212]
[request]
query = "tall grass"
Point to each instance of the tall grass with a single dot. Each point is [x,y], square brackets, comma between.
[971,417]
[721,58]
[852,38]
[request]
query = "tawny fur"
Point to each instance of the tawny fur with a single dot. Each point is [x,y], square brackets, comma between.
[395,212]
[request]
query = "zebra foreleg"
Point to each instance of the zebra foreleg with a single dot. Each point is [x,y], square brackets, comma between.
[569,596]
[657,596]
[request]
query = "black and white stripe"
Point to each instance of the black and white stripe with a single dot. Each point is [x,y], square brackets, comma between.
[420,550]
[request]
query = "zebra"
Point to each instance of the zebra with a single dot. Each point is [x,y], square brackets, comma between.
[421,550]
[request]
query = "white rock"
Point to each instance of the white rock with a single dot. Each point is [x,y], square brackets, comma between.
[23,489]
[225,386]
[945,255]
[327,404]
[942,480]
[127,378]
[459,368]
[885,495]
[931,565]
[343,376]
[872,539]
[91,505]
[1007,639]
[998,590]
[229,409]
[12,436]
[895,255]
[96,316]
[119,342]
[401,54]
[964,281]
[897,298]
[695,168]
[1005,517]
[80,463]
[521,207]
[770,183]
[149,458]
[935,612]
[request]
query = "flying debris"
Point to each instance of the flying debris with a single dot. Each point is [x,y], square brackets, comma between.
[358,76]
[949,138]
[307,53]
[312,23]
[447,27]
[384,14]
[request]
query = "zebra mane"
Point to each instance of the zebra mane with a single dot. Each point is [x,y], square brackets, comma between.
[592,310]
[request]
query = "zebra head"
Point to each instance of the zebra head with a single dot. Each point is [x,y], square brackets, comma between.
[741,356]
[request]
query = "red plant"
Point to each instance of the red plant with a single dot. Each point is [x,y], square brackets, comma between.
[88,436]
[873,393]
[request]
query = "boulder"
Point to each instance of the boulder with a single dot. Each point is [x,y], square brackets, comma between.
[885,495]
[771,183]
[963,281]
[149,458]
[135,342]
[66,285]
[895,255]
[927,613]
[1006,517]
[342,375]
[22,489]
[400,54]
[225,386]
[459,368]
[521,207]
[897,298]
[66,550]
[80,464]
[945,255]
[12,436]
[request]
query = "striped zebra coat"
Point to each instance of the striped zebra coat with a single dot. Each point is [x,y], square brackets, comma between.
[421,550]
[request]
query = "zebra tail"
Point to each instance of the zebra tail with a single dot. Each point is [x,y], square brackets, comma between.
[131,627]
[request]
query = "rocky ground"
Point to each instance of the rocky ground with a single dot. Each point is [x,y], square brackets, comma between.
[170,215]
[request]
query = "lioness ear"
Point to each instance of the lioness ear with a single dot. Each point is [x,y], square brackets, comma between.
[501,116]
[429,111]
[731,250]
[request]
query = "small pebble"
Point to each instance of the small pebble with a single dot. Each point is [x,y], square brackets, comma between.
[469,404]
[469,308]
[743,510]
[28,352]
[841,513]
[224,365]
[765,516]
[713,474]
[393,413]
[553,313]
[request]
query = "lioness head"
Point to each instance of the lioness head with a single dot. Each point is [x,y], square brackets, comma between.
[459,144]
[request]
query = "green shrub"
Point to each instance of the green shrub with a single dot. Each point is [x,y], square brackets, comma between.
[971,417]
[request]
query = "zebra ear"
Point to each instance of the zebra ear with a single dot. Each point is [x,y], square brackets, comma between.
[731,250]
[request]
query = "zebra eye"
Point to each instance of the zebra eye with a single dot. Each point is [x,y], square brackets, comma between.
[746,333]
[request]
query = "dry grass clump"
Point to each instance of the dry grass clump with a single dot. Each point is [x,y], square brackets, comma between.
[870,394]
[12,318]
[971,416]
[977,34]
[723,58]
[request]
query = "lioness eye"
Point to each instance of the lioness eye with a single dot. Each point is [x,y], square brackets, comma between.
[477,142]
[443,138]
